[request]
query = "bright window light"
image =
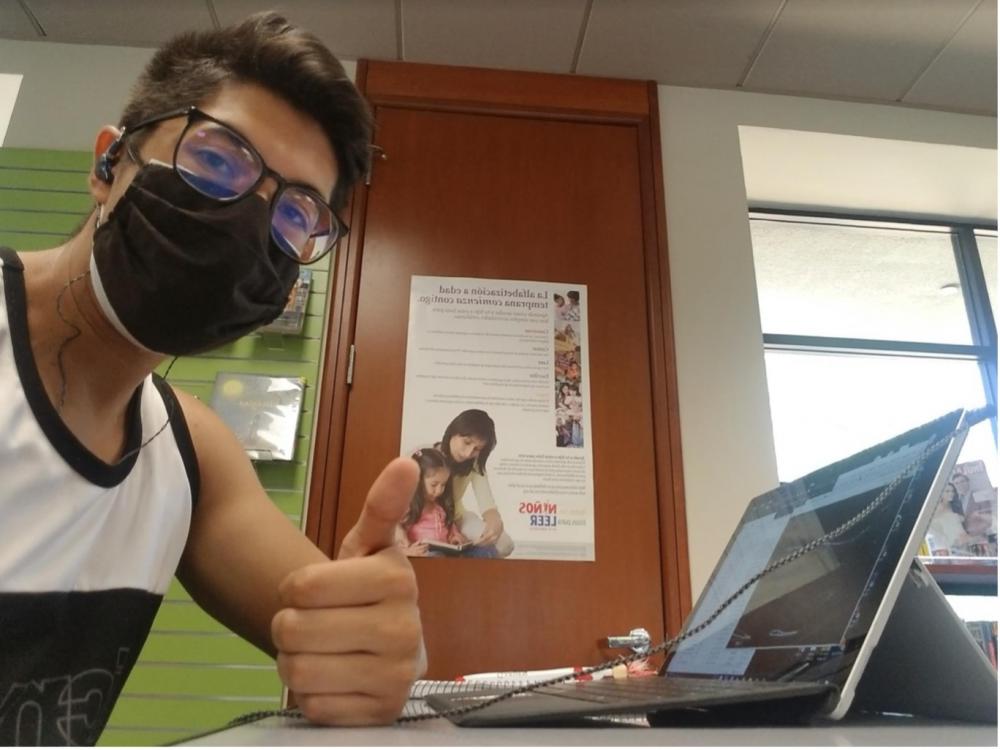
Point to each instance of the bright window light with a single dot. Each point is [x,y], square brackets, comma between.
[869,282]
[828,406]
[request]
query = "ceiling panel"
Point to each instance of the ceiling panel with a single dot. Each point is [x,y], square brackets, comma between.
[130,23]
[855,48]
[14,24]
[682,42]
[929,53]
[964,77]
[351,28]
[521,35]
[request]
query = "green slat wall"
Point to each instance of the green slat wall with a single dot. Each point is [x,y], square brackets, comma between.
[193,673]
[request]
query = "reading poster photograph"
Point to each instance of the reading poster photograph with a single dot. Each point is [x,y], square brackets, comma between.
[496,412]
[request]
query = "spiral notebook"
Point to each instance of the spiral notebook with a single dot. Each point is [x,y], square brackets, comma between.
[424,689]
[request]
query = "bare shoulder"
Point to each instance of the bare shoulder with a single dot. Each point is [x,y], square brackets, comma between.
[221,459]
[200,417]
[206,427]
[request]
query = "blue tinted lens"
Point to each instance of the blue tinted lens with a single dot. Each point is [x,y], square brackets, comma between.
[211,188]
[215,161]
[302,224]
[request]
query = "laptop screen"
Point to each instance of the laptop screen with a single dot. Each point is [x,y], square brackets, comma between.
[808,619]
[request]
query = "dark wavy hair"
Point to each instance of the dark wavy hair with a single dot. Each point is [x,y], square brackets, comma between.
[267,50]
[427,459]
[470,423]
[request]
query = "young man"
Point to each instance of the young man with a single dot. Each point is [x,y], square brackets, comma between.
[233,153]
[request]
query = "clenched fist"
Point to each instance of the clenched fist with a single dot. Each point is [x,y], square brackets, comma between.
[348,637]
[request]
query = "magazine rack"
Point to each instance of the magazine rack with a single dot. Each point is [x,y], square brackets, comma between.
[926,662]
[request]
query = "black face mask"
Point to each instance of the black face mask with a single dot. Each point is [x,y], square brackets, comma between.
[177,272]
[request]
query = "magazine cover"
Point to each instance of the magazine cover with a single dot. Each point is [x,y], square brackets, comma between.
[262,410]
[965,520]
[984,634]
[293,317]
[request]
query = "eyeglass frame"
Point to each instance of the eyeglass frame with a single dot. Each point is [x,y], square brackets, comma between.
[192,112]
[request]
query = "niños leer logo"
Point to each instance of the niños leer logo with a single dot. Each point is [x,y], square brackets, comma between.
[540,515]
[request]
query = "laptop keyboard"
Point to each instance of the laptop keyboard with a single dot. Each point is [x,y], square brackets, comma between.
[656,688]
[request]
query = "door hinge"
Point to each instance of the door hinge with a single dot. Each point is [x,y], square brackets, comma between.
[350,364]
[377,153]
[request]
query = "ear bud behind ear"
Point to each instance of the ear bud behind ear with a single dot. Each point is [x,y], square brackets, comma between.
[106,161]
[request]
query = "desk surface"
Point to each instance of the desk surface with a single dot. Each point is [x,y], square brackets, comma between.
[853,731]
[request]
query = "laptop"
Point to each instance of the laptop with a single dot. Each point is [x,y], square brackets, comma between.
[795,645]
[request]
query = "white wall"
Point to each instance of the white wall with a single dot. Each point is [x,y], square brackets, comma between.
[10,84]
[724,413]
[70,91]
[828,172]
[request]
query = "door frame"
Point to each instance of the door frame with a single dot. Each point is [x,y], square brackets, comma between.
[517,94]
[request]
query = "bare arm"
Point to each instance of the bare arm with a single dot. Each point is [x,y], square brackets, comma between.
[241,547]
[492,522]
[345,633]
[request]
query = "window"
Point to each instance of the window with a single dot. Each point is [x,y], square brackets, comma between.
[873,327]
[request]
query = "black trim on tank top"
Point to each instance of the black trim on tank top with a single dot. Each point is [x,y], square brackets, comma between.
[182,436]
[75,453]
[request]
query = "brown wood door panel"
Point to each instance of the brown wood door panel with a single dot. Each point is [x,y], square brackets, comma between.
[511,197]
[503,191]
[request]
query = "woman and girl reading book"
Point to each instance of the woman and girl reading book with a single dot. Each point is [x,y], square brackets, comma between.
[437,521]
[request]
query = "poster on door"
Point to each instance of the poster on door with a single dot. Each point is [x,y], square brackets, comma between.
[496,411]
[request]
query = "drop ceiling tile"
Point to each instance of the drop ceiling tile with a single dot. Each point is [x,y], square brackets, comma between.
[353,29]
[679,42]
[517,35]
[128,23]
[964,77]
[862,49]
[14,23]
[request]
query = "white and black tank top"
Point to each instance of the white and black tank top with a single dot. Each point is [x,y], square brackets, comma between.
[87,549]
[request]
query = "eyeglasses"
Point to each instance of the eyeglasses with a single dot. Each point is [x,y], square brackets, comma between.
[219,163]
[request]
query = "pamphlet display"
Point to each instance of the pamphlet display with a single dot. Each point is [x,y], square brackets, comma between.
[293,317]
[262,411]
[965,520]
[963,535]
[984,633]
[515,353]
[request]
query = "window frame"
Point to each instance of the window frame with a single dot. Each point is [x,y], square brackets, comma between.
[972,280]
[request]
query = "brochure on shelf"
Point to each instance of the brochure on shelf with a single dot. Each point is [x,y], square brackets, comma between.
[263,411]
[293,317]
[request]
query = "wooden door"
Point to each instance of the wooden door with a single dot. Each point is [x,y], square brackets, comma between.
[516,189]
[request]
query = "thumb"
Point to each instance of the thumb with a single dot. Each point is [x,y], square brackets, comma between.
[387,501]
